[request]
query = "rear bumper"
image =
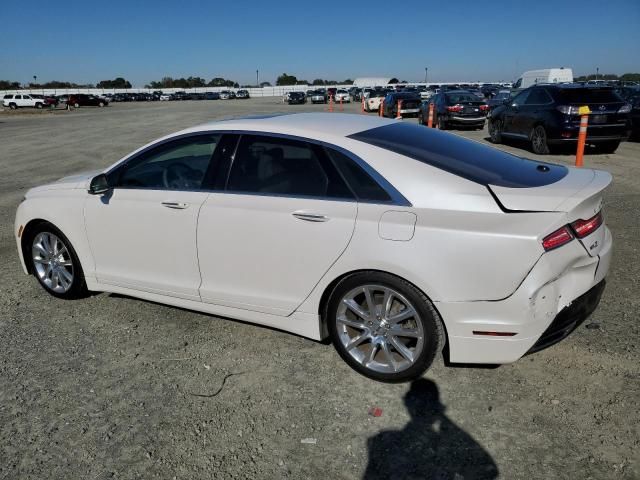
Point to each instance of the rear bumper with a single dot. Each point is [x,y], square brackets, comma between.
[467,120]
[543,310]
[570,318]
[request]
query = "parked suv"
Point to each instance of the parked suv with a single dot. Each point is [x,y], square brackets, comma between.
[22,100]
[547,115]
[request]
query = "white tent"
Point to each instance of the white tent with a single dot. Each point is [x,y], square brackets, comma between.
[372,81]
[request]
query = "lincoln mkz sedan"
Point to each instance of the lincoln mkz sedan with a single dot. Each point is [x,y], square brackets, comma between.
[392,240]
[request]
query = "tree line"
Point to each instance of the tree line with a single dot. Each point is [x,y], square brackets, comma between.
[118,82]
[287,80]
[626,77]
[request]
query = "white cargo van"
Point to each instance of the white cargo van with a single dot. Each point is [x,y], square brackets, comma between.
[547,75]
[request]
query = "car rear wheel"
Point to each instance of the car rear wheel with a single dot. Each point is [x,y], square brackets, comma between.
[420,119]
[101,104]
[607,147]
[39,106]
[495,131]
[539,141]
[76,105]
[55,263]
[384,327]
[13,106]
[442,123]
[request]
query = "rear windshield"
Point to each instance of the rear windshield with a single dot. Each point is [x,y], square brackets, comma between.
[461,98]
[588,95]
[464,158]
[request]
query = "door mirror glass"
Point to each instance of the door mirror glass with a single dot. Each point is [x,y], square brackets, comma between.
[99,185]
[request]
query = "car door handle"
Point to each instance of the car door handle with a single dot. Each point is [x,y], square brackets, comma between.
[310,217]
[176,205]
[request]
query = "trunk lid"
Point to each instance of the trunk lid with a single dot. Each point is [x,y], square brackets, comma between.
[561,196]
[579,194]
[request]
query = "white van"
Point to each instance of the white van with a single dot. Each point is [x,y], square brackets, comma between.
[547,75]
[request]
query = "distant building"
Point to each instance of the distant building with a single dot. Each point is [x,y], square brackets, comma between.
[374,81]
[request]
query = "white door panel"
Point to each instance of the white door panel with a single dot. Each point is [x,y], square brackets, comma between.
[266,253]
[146,239]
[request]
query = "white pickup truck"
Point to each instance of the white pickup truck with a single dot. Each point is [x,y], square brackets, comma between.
[22,100]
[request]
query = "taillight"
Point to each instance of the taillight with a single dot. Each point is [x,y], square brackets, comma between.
[455,108]
[626,108]
[587,227]
[568,109]
[484,107]
[558,238]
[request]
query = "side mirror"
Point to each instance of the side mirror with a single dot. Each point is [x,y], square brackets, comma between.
[99,184]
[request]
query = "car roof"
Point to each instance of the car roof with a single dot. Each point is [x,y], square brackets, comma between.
[310,125]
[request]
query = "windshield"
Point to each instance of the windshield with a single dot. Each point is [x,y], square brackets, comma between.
[464,158]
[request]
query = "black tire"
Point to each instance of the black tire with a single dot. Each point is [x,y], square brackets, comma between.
[13,106]
[420,119]
[607,147]
[78,287]
[539,143]
[39,106]
[442,123]
[76,105]
[427,316]
[101,104]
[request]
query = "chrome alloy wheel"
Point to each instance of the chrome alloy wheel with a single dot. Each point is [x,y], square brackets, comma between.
[379,328]
[52,262]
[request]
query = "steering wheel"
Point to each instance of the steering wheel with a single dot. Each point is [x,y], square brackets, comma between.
[179,176]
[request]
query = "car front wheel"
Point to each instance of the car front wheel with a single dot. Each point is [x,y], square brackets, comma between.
[55,263]
[384,327]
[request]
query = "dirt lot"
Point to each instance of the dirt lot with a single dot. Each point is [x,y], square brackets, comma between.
[107,387]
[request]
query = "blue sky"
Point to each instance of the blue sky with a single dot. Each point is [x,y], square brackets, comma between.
[462,40]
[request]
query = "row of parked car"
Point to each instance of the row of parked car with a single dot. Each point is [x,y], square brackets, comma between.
[544,115]
[20,100]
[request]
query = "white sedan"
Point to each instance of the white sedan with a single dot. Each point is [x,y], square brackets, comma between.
[389,238]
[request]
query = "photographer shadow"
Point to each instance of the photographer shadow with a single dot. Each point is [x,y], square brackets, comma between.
[429,447]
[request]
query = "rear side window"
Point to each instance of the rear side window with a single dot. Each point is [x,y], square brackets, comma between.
[588,95]
[365,187]
[8,97]
[465,158]
[279,166]
[538,96]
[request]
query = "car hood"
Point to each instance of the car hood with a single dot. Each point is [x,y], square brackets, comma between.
[78,180]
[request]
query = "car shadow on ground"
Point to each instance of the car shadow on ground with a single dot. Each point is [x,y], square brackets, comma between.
[430,446]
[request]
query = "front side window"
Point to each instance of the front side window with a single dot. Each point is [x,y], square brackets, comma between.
[176,165]
[278,166]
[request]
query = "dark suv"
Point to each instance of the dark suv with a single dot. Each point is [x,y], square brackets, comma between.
[547,115]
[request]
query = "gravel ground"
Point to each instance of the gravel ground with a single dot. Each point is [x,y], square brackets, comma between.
[113,387]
